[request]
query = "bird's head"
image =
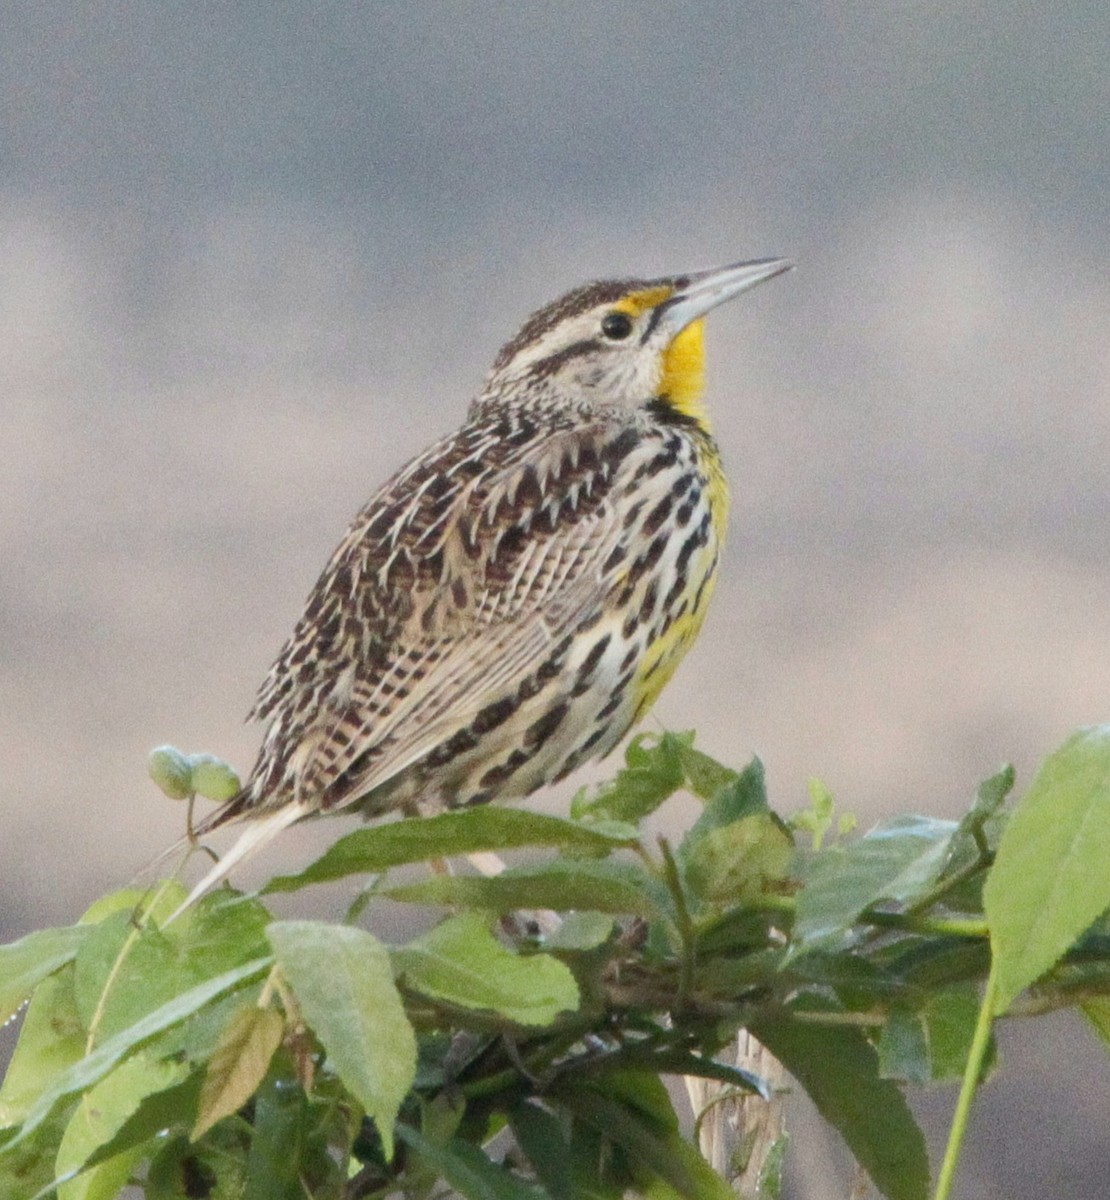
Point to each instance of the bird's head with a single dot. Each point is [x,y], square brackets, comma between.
[626,343]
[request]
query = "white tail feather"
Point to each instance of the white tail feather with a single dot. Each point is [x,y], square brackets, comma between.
[258,832]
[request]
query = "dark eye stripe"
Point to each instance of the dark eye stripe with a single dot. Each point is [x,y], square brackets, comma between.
[552,363]
[581,300]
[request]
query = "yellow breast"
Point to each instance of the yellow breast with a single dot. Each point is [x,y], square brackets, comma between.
[664,653]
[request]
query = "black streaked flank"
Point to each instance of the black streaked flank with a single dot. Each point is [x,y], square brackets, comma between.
[658,515]
[584,749]
[494,714]
[504,771]
[539,731]
[589,665]
[663,461]
[666,414]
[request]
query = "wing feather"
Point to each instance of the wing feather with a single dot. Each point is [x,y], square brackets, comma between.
[490,659]
[452,586]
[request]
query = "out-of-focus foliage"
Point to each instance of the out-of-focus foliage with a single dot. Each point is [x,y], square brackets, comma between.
[227,1054]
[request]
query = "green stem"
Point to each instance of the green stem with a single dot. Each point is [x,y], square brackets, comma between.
[938,891]
[972,1073]
[102,999]
[535,1064]
[864,1020]
[490,1085]
[972,927]
[673,879]
[138,923]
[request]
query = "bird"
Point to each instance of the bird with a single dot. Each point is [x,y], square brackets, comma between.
[511,602]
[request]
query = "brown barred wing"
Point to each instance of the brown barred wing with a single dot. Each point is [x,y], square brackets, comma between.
[451,589]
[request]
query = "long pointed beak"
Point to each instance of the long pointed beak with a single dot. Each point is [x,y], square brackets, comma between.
[696,294]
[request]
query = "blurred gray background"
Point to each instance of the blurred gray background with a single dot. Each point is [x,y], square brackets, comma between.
[252,257]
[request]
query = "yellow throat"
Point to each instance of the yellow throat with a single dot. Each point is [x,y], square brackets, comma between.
[683,379]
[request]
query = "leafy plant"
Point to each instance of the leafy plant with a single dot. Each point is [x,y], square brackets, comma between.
[226,1054]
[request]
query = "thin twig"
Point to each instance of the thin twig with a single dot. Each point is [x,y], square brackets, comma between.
[972,1073]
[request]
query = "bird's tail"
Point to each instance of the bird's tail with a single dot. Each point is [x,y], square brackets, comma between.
[258,832]
[179,851]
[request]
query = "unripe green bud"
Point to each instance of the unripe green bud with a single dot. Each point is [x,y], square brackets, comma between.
[171,771]
[213,778]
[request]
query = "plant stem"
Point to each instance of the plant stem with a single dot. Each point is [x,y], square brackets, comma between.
[972,927]
[673,879]
[139,918]
[869,1019]
[941,889]
[972,1072]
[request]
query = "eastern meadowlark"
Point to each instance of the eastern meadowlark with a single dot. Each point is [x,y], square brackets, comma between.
[514,599]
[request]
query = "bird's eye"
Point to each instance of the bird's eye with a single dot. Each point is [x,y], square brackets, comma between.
[616,326]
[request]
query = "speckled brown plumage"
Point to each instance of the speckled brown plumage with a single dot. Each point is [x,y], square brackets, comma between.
[512,600]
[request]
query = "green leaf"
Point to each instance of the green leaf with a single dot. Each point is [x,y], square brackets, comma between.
[467,1170]
[461,962]
[51,1040]
[93,1067]
[897,861]
[642,1091]
[238,1064]
[904,1047]
[950,1015]
[1050,879]
[925,964]
[652,774]
[218,932]
[580,931]
[989,798]
[818,818]
[737,863]
[541,1137]
[931,1042]
[26,963]
[704,775]
[151,904]
[343,982]
[464,832]
[678,1060]
[745,795]
[100,1114]
[981,825]
[28,1170]
[838,1068]
[124,972]
[1097,1011]
[561,885]
[201,1034]
[169,1109]
[280,1119]
[633,1110]
[215,1169]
